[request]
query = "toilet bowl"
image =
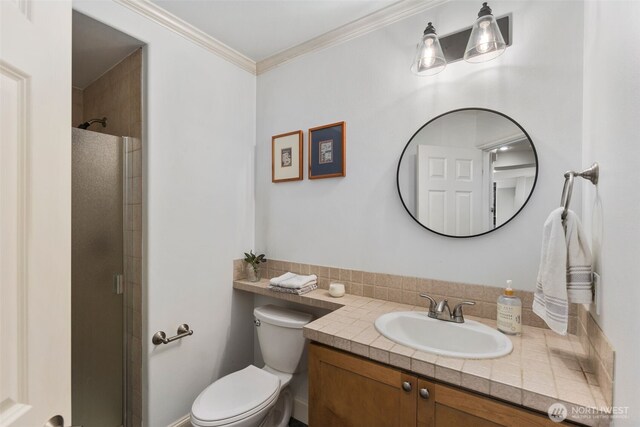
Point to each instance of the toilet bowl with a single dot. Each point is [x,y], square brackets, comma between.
[254,397]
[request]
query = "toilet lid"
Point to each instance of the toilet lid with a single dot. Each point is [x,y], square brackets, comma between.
[238,393]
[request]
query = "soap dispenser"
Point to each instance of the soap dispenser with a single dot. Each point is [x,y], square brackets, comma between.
[509,312]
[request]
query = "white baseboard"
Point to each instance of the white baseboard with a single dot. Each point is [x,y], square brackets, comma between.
[182,422]
[301,410]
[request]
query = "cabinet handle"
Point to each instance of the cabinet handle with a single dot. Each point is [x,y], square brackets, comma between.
[424,393]
[406,386]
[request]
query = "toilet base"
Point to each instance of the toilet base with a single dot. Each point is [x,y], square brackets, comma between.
[280,413]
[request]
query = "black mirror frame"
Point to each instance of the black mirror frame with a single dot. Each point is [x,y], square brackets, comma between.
[535,180]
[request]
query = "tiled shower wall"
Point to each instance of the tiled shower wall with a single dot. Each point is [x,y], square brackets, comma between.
[133,269]
[76,107]
[406,290]
[117,95]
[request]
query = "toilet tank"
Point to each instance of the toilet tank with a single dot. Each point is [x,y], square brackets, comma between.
[280,336]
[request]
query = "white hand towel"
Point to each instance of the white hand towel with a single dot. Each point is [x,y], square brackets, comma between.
[277,280]
[563,257]
[550,299]
[298,281]
[579,262]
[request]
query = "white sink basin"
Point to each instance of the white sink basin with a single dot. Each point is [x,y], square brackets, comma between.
[470,340]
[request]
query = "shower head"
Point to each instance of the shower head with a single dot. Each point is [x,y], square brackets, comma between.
[89,122]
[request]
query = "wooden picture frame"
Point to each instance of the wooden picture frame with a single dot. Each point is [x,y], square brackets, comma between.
[286,157]
[327,151]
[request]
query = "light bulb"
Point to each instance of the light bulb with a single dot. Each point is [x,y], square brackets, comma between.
[484,38]
[428,54]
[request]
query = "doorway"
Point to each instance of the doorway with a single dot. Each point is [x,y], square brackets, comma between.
[106,303]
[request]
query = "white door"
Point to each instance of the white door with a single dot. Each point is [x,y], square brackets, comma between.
[35,212]
[449,189]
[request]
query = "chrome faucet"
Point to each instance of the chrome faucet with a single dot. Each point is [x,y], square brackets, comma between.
[440,308]
[437,310]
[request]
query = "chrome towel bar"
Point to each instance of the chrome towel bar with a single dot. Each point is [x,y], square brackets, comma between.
[592,174]
[161,338]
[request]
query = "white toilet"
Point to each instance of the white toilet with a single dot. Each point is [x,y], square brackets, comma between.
[254,397]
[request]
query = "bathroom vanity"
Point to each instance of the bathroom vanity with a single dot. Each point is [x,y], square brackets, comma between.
[348,390]
[358,377]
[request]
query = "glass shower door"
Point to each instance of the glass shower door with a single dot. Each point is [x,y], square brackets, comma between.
[97,269]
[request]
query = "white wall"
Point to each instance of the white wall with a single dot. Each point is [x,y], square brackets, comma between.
[612,213]
[199,174]
[358,221]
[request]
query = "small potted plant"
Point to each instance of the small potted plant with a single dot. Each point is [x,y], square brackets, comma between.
[253,265]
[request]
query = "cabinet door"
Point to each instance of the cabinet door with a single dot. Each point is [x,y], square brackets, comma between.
[349,391]
[426,407]
[455,408]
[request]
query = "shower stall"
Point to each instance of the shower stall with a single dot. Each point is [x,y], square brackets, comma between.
[101,320]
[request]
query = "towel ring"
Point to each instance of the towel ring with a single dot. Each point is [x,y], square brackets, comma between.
[566,193]
[592,174]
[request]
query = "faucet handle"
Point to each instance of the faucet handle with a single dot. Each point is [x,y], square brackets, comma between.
[432,303]
[456,314]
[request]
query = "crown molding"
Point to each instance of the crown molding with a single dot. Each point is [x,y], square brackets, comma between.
[374,21]
[161,16]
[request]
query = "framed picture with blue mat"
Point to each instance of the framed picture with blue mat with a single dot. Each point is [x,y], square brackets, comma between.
[327,150]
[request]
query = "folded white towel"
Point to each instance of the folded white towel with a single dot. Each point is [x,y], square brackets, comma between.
[293,281]
[565,270]
[277,280]
[298,281]
[308,288]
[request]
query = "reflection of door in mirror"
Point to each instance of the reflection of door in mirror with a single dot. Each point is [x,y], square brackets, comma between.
[513,170]
[449,188]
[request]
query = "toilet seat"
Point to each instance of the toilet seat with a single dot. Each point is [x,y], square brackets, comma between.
[235,397]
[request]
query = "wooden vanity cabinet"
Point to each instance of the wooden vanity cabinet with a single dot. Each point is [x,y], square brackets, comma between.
[350,391]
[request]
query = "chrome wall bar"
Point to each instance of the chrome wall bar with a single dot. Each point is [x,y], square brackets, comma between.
[161,338]
[592,174]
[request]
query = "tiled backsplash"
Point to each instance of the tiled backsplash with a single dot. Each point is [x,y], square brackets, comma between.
[599,352]
[405,289]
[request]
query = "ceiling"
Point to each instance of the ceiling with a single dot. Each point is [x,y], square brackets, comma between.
[261,28]
[96,48]
[257,29]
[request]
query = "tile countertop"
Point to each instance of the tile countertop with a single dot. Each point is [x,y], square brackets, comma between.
[544,368]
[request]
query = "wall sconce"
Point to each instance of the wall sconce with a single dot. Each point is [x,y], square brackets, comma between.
[429,58]
[485,40]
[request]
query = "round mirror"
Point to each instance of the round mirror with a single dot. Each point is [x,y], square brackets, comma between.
[467,172]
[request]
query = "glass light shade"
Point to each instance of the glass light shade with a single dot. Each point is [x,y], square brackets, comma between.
[429,58]
[485,42]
